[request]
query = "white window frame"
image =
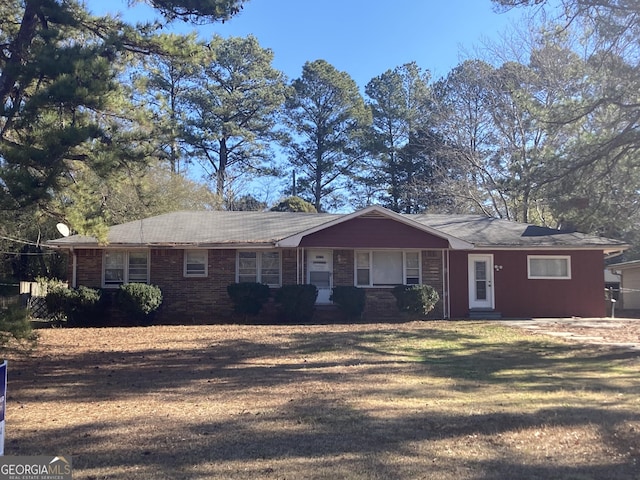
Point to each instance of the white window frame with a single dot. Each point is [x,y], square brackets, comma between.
[126,267]
[567,258]
[259,268]
[405,268]
[205,257]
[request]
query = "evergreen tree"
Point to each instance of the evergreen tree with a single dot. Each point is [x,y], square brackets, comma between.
[402,143]
[233,106]
[161,87]
[327,117]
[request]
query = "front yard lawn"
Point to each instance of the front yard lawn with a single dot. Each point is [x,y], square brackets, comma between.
[441,400]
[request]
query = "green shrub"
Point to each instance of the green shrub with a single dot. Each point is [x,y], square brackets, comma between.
[416,299]
[139,300]
[58,300]
[79,306]
[248,297]
[297,302]
[350,300]
[15,325]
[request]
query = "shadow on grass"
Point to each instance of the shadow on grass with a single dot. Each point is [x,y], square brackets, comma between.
[329,432]
[233,364]
[321,429]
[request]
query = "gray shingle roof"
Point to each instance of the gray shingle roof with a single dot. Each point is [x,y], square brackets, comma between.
[222,228]
[494,232]
[206,228]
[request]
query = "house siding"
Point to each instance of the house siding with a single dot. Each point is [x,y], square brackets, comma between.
[517,296]
[630,299]
[373,233]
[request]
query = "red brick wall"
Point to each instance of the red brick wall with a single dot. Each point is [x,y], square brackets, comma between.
[343,267]
[380,303]
[205,300]
[192,299]
[289,267]
[185,300]
[89,268]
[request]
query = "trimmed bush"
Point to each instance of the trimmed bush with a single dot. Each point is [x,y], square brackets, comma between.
[350,300]
[248,297]
[297,302]
[79,306]
[415,299]
[139,300]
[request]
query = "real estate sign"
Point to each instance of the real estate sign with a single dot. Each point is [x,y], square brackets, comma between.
[3,402]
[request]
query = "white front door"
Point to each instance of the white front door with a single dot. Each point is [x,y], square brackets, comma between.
[320,273]
[481,292]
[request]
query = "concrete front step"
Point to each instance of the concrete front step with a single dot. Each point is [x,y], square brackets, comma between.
[484,314]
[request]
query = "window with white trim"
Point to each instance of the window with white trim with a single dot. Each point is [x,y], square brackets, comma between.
[387,267]
[122,266]
[555,267]
[259,266]
[196,263]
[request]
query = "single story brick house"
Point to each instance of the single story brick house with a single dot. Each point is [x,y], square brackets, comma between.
[480,266]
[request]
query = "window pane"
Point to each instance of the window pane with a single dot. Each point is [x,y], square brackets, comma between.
[549,267]
[481,290]
[362,260]
[387,268]
[481,270]
[196,263]
[412,268]
[270,268]
[413,260]
[138,267]
[362,277]
[247,267]
[320,279]
[114,268]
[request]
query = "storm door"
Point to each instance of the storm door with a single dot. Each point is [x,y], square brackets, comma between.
[320,273]
[481,292]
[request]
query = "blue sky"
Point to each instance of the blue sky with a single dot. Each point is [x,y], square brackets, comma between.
[362,37]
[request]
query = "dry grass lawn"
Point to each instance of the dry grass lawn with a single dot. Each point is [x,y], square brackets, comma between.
[420,400]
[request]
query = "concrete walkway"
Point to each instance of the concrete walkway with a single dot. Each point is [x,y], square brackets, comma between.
[569,327]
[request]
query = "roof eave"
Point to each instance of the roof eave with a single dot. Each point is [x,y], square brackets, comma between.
[194,245]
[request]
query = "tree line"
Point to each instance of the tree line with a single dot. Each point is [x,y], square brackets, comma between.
[103,121]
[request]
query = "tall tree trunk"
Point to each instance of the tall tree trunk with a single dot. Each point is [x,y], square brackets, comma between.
[222,167]
[318,181]
[18,50]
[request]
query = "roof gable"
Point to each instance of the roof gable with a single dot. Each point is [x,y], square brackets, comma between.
[376,213]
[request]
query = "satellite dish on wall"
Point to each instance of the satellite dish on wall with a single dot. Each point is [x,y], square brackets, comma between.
[63,229]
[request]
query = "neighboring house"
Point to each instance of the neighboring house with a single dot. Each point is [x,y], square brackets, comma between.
[629,273]
[479,265]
